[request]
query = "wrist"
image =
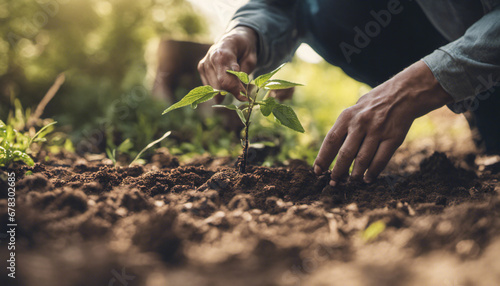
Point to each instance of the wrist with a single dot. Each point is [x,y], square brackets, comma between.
[247,31]
[244,32]
[422,89]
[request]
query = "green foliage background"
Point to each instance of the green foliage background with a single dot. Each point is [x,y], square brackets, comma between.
[102,47]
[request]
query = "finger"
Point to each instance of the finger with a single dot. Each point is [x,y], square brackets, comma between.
[222,61]
[212,80]
[204,79]
[382,157]
[329,148]
[364,157]
[346,155]
[219,98]
[229,82]
[201,71]
[248,63]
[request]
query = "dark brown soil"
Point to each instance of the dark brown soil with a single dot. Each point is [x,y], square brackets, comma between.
[85,222]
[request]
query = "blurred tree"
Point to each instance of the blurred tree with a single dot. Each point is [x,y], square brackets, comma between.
[100,46]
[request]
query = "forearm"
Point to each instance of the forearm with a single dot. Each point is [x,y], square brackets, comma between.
[471,64]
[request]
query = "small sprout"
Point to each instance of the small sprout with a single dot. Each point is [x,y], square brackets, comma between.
[258,96]
[28,173]
[111,155]
[373,231]
[127,145]
[15,145]
[149,146]
[123,148]
[38,134]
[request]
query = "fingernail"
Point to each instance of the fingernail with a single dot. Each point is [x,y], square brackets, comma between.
[368,180]
[333,183]
[317,170]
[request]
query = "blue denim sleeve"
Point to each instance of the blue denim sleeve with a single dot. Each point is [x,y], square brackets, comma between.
[277,25]
[471,64]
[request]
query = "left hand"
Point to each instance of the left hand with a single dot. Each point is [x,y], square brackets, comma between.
[370,131]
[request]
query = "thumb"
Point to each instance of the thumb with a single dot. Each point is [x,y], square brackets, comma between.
[235,67]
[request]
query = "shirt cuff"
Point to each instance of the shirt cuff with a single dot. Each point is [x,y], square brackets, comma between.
[451,75]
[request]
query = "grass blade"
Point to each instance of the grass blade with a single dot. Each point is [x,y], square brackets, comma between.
[149,146]
[39,132]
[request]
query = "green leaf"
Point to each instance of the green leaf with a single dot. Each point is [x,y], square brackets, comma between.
[287,117]
[149,146]
[125,146]
[262,79]
[242,116]
[197,95]
[241,75]
[262,93]
[40,131]
[280,84]
[235,108]
[207,97]
[4,156]
[111,155]
[230,106]
[21,156]
[373,231]
[268,105]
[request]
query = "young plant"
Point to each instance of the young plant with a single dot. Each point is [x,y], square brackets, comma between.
[257,93]
[14,145]
[18,134]
[126,145]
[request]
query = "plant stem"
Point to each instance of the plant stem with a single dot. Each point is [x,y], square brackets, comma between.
[244,160]
[243,164]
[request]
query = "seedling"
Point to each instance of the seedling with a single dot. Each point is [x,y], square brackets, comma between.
[126,145]
[14,145]
[256,91]
[17,138]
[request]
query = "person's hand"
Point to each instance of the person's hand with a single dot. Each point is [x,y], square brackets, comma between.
[237,51]
[369,132]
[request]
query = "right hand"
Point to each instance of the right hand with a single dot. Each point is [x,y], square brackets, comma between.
[237,51]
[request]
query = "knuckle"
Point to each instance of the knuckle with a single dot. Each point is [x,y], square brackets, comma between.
[346,113]
[227,83]
[332,137]
[218,55]
[363,118]
[344,154]
[377,129]
[222,79]
[200,66]
[362,160]
[252,59]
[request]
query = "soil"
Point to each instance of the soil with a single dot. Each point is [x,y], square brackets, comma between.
[85,222]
